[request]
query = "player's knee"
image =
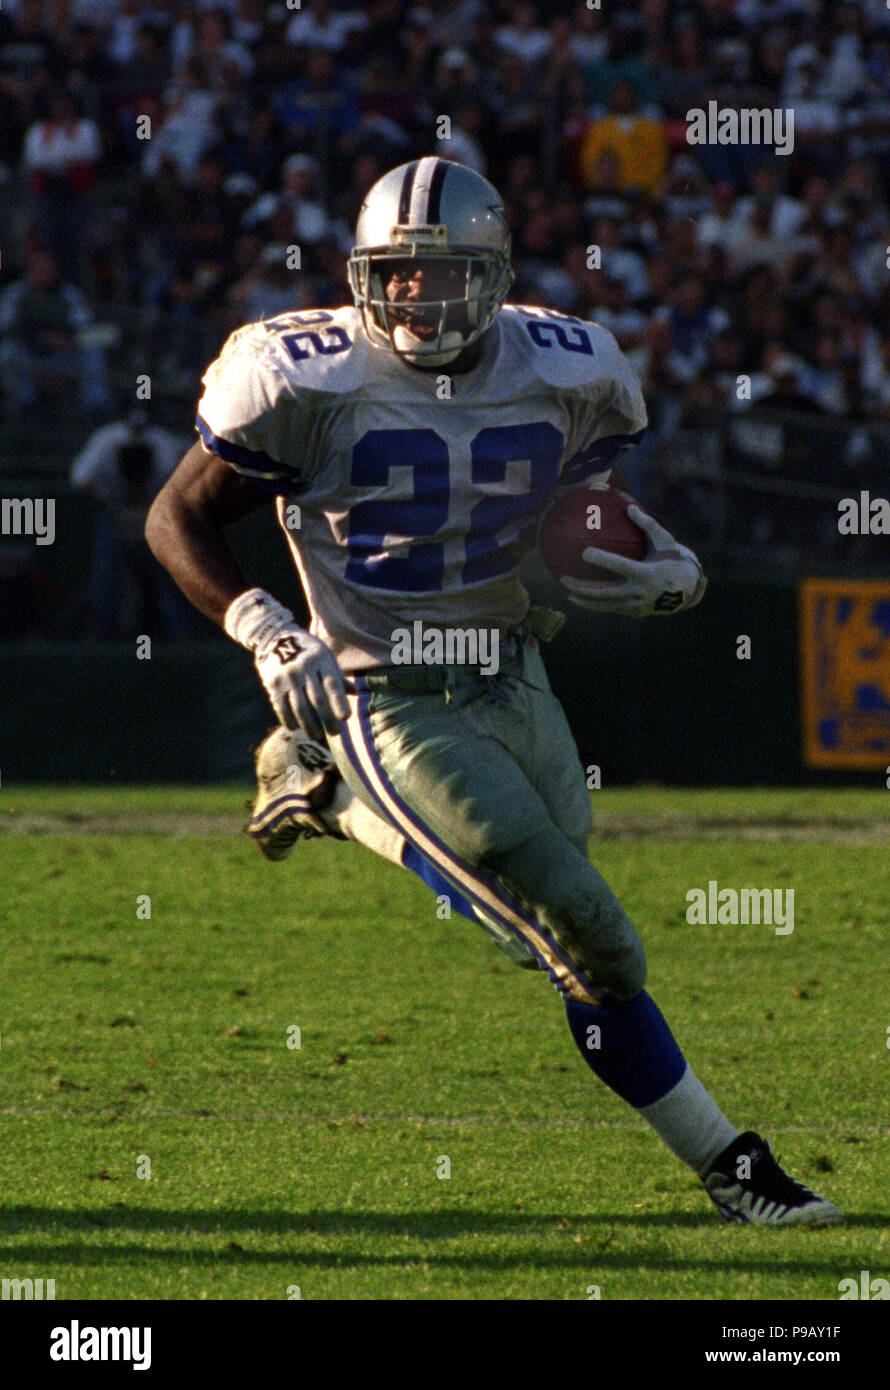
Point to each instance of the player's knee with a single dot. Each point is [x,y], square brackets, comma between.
[615,964]
[574,902]
[611,951]
[632,969]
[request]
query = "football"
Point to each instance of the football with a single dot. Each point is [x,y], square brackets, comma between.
[589,516]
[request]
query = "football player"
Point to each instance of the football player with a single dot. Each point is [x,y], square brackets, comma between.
[419,437]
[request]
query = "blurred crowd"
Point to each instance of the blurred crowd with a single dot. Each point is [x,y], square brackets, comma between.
[158,157]
[161,159]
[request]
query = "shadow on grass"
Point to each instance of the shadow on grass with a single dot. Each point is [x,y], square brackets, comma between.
[422,1226]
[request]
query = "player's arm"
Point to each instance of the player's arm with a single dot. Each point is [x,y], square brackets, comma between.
[185,529]
[669,578]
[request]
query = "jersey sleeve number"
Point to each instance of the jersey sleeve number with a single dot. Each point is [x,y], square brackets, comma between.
[338,341]
[539,329]
[497,522]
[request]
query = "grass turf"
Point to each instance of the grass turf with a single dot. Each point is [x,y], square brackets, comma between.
[128,1038]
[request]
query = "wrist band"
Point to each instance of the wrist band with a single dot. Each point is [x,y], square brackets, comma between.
[253,617]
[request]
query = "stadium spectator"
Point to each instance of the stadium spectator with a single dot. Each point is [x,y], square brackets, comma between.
[522,37]
[625,64]
[319,25]
[636,141]
[515,102]
[625,265]
[823,377]
[310,222]
[467,133]
[685,74]
[221,57]
[30,60]
[60,156]
[186,129]
[123,39]
[456,80]
[875,374]
[319,105]
[43,349]
[268,287]
[123,466]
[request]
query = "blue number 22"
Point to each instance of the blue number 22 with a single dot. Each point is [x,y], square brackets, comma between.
[496,522]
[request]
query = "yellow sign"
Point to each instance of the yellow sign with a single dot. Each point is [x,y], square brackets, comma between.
[845,672]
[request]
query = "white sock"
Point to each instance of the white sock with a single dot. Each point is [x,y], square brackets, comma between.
[358,822]
[691,1123]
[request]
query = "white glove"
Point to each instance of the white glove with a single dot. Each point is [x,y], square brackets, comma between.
[668,579]
[302,679]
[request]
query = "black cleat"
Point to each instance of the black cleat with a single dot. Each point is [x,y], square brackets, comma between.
[747,1185]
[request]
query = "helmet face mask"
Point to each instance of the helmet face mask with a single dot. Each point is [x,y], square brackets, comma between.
[433,324]
[428,289]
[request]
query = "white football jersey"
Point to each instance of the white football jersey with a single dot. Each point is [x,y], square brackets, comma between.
[410,494]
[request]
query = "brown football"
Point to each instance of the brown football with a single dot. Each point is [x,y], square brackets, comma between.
[589,516]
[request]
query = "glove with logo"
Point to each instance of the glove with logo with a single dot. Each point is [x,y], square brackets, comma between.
[668,579]
[301,677]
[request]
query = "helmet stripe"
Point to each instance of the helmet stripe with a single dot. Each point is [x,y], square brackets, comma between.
[437,183]
[407,186]
[420,194]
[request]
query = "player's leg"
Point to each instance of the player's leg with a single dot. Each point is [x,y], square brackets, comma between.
[622,1036]
[301,795]
[420,765]
[629,1045]
[461,799]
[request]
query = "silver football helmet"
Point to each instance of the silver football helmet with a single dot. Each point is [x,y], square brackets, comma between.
[442,217]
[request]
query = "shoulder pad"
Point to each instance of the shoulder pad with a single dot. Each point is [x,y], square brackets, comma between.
[567,353]
[312,350]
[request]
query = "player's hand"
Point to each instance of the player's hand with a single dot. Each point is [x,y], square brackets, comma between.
[303,682]
[301,677]
[668,579]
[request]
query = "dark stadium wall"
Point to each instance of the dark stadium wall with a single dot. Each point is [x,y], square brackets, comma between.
[669,700]
[661,700]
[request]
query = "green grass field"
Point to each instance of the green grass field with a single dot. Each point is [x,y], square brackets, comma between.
[126,1038]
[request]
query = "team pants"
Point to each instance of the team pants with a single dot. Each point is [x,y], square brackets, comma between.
[481,775]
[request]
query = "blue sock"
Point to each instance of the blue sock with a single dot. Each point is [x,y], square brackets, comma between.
[629,1047]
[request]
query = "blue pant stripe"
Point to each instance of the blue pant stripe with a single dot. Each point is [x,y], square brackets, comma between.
[413,822]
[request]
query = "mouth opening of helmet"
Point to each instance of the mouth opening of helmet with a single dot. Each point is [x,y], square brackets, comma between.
[447,306]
